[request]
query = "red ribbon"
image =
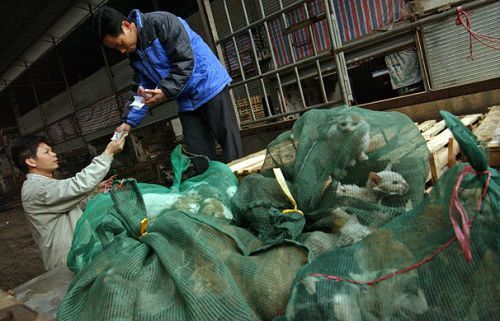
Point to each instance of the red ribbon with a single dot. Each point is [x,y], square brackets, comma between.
[463,233]
[483,39]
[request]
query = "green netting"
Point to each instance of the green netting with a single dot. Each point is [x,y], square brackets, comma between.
[382,250]
[188,263]
[399,259]
[378,248]
[343,165]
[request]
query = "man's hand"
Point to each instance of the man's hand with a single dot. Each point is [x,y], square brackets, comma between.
[105,185]
[115,146]
[157,97]
[123,127]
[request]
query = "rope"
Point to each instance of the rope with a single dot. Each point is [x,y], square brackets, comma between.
[143,227]
[481,38]
[192,155]
[462,235]
[284,187]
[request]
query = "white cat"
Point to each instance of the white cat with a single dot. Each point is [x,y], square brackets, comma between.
[348,124]
[378,186]
[342,141]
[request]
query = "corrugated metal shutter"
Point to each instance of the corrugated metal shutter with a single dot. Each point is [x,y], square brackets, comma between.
[447,49]
[100,115]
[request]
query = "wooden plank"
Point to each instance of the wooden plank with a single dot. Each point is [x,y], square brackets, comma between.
[452,146]
[434,172]
[486,130]
[441,160]
[442,139]
[431,129]
[250,161]
[426,125]
[434,130]
[475,103]
[494,154]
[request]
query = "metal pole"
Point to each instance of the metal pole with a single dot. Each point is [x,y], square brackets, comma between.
[268,18]
[35,94]
[13,104]
[342,74]
[273,58]
[294,59]
[207,19]
[256,58]
[422,59]
[61,65]
[315,53]
[206,13]
[109,72]
[240,65]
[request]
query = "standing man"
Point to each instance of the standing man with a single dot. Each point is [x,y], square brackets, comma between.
[52,206]
[171,61]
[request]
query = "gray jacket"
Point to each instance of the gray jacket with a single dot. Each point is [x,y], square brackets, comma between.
[52,208]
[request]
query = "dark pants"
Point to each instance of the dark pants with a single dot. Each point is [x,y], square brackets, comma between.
[213,121]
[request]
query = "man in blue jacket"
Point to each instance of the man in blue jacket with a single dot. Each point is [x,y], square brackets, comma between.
[171,61]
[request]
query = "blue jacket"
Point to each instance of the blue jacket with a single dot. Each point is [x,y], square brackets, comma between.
[174,58]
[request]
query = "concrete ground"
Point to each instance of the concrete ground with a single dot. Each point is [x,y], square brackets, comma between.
[19,257]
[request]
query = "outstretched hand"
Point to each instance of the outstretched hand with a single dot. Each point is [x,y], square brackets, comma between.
[105,185]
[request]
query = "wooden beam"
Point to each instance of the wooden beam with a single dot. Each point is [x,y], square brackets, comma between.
[439,94]
[426,125]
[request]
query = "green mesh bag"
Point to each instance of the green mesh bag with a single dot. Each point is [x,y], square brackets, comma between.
[208,194]
[436,261]
[180,262]
[349,170]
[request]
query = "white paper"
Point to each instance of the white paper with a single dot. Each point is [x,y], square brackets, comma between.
[137,103]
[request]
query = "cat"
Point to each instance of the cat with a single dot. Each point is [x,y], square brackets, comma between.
[398,298]
[378,186]
[346,125]
[342,142]
[346,227]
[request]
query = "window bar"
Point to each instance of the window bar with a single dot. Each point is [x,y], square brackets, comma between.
[254,51]
[294,60]
[240,64]
[343,77]
[273,59]
[315,53]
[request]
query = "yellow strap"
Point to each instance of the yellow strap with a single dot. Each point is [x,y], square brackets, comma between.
[284,187]
[144,226]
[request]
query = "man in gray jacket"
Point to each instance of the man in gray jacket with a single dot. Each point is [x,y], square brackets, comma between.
[52,206]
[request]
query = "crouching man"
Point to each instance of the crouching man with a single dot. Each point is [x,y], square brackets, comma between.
[52,206]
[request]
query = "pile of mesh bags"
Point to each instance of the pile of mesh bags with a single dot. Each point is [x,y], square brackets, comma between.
[335,227]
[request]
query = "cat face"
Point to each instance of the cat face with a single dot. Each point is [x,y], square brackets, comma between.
[348,190]
[349,123]
[388,182]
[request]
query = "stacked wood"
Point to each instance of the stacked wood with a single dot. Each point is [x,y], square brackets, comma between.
[246,107]
[444,149]
[488,132]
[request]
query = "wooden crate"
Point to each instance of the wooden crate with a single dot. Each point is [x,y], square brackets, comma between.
[244,111]
[486,133]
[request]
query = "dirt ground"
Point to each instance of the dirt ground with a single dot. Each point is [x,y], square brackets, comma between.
[19,257]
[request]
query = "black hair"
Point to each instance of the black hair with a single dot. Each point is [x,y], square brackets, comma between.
[107,21]
[25,147]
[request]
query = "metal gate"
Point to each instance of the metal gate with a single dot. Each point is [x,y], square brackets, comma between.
[271,47]
[450,58]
